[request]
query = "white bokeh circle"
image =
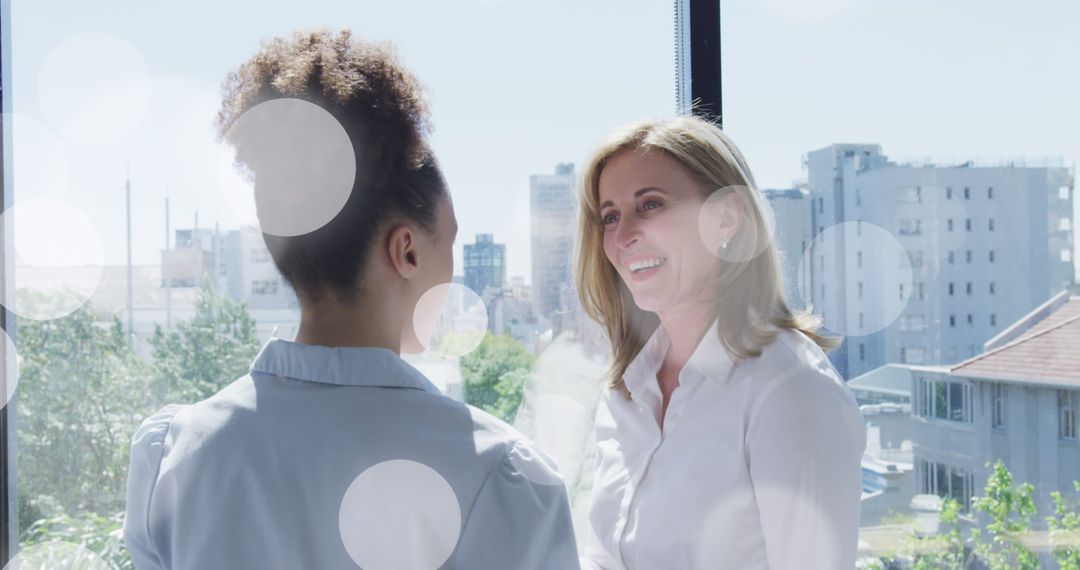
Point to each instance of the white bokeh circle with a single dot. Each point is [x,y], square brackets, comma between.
[40,162]
[58,259]
[9,380]
[883,269]
[450,320]
[750,239]
[291,162]
[57,556]
[401,515]
[94,88]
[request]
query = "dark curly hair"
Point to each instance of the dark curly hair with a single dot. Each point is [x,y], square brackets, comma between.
[381,107]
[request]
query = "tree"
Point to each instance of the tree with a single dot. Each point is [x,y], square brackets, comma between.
[1010,508]
[1064,525]
[201,356]
[495,375]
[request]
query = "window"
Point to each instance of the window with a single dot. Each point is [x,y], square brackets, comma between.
[950,289]
[1067,402]
[1066,256]
[952,320]
[968,287]
[990,193]
[901,291]
[951,258]
[922,290]
[264,287]
[993,320]
[948,195]
[970,320]
[1064,224]
[821,205]
[967,255]
[990,226]
[912,323]
[916,355]
[949,224]
[862,352]
[858,260]
[944,400]
[946,482]
[1063,192]
[997,398]
[860,289]
[967,224]
[991,287]
[967,193]
[991,256]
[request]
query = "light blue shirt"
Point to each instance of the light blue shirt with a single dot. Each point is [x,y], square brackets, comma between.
[324,458]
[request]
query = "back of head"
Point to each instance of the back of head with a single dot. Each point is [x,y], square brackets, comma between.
[380,106]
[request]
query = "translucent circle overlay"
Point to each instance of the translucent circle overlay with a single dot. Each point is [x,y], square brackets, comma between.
[291,162]
[58,259]
[94,88]
[751,236]
[450,320]
[40,161]
[875,265]
[9,380]
[399,514]
[57,556]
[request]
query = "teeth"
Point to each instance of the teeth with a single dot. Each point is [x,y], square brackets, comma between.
[646,264]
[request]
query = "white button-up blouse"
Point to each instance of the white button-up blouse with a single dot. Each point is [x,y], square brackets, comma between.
[757,465]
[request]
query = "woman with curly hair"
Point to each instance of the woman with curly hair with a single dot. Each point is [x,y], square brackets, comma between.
[725,438]
[333,452]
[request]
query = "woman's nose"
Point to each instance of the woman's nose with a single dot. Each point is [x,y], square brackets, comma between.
[627,234]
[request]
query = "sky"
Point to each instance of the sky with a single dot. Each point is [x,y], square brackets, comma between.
[517,87]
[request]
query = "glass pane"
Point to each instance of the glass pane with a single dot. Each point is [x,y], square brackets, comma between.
[111,98]
[866,107]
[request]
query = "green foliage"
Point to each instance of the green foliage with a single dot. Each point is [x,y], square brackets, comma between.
[1010,508]
[495,375]
[1064,527]
[199,357]
[82,392]
[101,535]
[944,550]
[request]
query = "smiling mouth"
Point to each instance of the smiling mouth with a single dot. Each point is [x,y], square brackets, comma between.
[642,266]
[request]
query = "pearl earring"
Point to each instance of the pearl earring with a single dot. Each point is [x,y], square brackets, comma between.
[723,245]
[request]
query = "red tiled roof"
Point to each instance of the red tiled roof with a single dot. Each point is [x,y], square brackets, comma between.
[1049,353]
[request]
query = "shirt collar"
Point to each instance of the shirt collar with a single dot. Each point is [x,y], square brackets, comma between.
[345,366]
[710,360]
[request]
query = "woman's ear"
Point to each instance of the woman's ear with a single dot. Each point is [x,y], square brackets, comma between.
[721,217]
[403,251]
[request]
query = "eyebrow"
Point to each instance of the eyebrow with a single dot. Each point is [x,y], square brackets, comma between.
[637,194]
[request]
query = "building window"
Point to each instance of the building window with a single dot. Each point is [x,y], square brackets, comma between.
[991,287]
[967,224]
[968,255]
[944,400]
[858,228]
[1067,414]
[922,290]
[946,482]
[991,256]
[993,320]
[968,287]
[858,259]
[951,258]
[264,287]
[948,193]
[1064,224]
[990,193]
[997,407]
[916,355]
[971,320]
[1063,192]
[903,355]
[820,205]
[862,351]
[991,224]
[952,320]
[860,321]
[901,291]
[950,289]
[949,223]
[860,289]
[967,193]
[1066,256]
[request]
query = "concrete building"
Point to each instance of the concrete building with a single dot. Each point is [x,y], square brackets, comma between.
[792,233]
[553,207]
[485,264]
[1017,403]
[985,244]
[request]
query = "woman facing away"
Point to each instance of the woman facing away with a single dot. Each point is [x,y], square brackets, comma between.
[725,438]
[333,452]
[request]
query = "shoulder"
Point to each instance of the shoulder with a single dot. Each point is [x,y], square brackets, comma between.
[149,438]
[508,451]
[793,378]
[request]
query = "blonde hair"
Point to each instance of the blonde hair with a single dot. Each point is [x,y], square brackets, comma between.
[750,303]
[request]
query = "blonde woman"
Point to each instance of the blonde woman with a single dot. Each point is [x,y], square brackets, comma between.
[725,438]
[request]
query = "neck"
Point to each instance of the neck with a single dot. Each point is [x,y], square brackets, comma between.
[685,327]
[330,322]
